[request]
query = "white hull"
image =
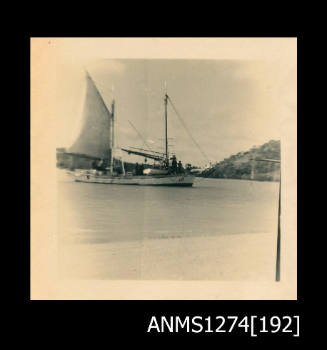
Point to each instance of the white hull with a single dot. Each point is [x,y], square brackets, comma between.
[152,171]
[147,180]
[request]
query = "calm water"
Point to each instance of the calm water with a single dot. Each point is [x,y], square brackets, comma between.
[96,213]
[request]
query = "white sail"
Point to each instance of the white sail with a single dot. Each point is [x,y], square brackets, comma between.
[94,138]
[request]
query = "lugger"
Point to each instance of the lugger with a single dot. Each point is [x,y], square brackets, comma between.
[97,139]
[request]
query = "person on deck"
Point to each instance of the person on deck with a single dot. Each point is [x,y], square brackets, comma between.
[94,164]
[137,169]
[100,164]
[166,163]
[141,169]
[174,164]
[180,169]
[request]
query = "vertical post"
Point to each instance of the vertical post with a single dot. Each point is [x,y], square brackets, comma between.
[166,127]
[278,235]
[112,136]
[279,212]
[123,167]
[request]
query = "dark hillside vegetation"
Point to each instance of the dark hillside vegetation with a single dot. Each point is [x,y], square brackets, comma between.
[242,165]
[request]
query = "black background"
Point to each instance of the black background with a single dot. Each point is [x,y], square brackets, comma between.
[86,323]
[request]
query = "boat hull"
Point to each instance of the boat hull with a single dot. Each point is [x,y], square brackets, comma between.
[167,180]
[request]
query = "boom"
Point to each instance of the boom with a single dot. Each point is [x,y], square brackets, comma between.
[143,154]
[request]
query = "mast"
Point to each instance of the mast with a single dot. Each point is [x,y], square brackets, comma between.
[166,127]
[112,136]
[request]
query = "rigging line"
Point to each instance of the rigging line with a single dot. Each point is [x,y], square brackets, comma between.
[188,131]
[140,135]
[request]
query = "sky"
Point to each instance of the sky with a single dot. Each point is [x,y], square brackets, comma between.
[228,105]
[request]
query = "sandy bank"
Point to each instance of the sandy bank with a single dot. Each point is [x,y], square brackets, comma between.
[232,257]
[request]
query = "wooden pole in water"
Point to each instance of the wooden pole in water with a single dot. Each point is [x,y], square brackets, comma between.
[278,235]
[279,212]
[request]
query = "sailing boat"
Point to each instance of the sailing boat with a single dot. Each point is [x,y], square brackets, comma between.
[96,139]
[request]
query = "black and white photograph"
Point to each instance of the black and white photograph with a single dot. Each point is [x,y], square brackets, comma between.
[163,168]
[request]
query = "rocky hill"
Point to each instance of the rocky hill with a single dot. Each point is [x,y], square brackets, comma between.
[241,165]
